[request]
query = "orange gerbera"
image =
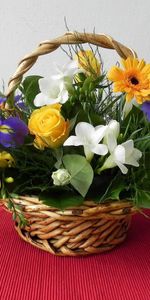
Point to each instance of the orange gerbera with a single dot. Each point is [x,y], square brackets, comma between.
[134,80]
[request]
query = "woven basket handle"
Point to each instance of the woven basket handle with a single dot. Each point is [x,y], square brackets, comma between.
[46,47]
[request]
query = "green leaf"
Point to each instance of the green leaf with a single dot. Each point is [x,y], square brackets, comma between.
[13,195]
[73,121]
[60,198]
[143,198]
[96,119]
[58,154]
[116,186]
[31,88]
[86,84]
[81,172]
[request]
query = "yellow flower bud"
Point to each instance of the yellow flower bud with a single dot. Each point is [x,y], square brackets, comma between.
[89,63]
[6,160]
[9,179]
[48,126]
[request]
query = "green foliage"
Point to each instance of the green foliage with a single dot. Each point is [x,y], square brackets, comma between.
[30,88]
[17,212]
[32,172]
[61,198]
[81,172]
[143,198]
[83,102]
[91,100]
[140,183]
[115,187]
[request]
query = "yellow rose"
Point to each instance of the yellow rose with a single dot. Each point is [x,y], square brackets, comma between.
[48,126]
[89,63]
[6,160]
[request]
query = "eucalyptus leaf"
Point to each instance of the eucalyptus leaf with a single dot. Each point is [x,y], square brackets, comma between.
[61,199]
[81,172]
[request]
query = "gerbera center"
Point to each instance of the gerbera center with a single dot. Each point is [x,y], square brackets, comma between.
[134,80]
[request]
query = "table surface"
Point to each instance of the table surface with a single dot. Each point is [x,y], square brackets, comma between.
[27,273]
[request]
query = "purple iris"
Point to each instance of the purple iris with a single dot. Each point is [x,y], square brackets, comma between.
[146,109]
[18,102]
[2,100]
[12,132]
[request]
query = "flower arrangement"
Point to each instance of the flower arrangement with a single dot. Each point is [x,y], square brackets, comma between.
[83,133]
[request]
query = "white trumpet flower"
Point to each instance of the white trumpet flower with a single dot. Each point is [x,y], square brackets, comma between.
[52,92]
[111,135]
[121,155]
[128,107]
[67,71]
[55,89]
[89,137]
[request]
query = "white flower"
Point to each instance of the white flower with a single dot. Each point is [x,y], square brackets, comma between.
[128,107]
[52,92]
[89,137]
[123,154]
[67,71]
[61,177]
[55,89]
[111,135]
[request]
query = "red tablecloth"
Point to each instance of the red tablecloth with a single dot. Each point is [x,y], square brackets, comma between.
[27,273]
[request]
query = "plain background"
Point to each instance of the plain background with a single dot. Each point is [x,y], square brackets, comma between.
[26,23]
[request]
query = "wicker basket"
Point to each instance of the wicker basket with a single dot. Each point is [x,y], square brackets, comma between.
[83,230]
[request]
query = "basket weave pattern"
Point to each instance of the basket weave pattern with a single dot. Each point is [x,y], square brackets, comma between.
[87,229]
[82,230]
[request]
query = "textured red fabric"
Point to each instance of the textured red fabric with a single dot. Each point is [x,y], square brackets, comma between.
[27,273]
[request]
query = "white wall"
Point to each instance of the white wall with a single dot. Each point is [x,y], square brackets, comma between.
[23,24]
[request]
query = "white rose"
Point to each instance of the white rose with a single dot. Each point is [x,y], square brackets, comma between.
[61,177]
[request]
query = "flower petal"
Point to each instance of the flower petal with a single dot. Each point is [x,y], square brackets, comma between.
[111,142]
[99,133]
[2,100]
[73,141]
[110,139]
[119,154]
[6,140]
[129,96]
[85,132]
[41,100]
[123,168]
[64,96]
[133,159]
[89,154]
[44,85]
[114,126]
[68,70]
[127,108]
[129,146]
[99,149]
[12,132]
[146,109]
[115,74]
[109,163]
[71,68]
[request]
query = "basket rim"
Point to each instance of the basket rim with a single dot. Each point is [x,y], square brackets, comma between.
[89,208]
